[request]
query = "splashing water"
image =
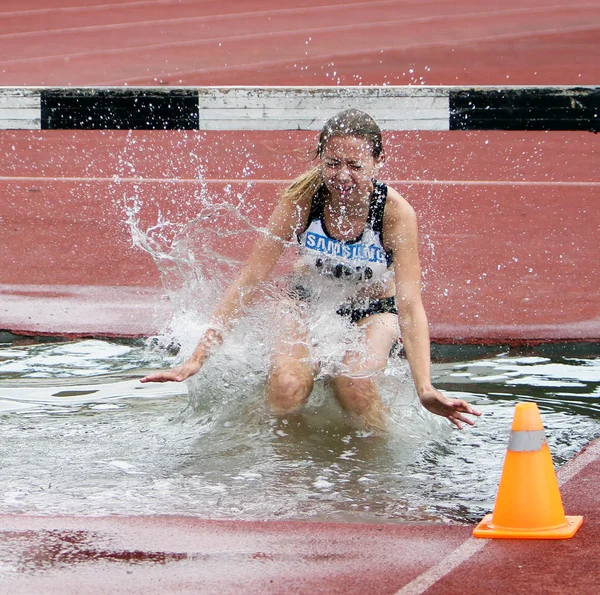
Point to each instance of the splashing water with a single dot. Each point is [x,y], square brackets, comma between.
[81,435]
[200,258]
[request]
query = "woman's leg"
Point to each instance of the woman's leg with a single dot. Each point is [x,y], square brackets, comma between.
[291,376]
[357,390]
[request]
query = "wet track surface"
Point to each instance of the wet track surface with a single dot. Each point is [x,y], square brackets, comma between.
[509,239]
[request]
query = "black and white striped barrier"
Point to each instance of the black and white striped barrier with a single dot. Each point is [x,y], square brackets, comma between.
[298,108]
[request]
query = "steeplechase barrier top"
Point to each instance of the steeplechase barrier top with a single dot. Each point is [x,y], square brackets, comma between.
[298,108]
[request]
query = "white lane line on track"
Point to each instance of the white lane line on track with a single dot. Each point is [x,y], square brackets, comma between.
[274,63]
[590,454]
[310,10]
[339,54]
[473,545]
[445,566]
[215,17]
[118,180]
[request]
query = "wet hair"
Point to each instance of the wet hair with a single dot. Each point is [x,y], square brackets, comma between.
[350,122]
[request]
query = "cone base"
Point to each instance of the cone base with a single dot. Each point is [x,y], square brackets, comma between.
[486,529]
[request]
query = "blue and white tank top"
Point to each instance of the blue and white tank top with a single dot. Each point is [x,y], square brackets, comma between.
[362,259]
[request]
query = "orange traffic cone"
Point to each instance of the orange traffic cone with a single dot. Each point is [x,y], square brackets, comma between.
[528,504]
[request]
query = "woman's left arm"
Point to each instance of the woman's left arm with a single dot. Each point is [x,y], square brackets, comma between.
[400,232]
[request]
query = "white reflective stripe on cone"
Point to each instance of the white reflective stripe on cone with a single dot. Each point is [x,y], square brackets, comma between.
[526,441]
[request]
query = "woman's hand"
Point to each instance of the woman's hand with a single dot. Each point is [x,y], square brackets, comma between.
[452,409]
[212,337]
[179,374]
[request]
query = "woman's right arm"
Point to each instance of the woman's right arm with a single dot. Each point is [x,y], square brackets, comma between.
[287,217]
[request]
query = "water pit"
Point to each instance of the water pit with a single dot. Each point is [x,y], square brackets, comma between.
[80,435]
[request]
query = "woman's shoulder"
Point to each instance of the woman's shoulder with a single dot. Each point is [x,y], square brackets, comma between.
[397,207]
[400,225]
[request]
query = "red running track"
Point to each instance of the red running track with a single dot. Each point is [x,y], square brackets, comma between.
[300,42]
[508,223]
[508,219]
[492,206]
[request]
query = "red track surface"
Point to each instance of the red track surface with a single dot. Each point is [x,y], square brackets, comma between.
[508,219]
[509,227]
[301,42]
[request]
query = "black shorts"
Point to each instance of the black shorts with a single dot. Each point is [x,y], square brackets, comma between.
[356,313]
[352,309]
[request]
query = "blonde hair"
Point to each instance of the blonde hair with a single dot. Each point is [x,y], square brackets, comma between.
[304,187]
[351,122]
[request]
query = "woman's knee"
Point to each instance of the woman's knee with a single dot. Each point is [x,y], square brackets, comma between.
[356,394]
[290,384]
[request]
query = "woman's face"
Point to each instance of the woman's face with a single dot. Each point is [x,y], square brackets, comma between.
[348,166]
